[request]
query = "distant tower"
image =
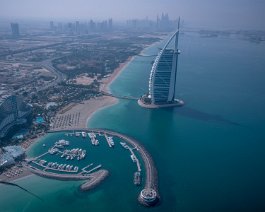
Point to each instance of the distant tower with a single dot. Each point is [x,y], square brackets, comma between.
[70,27]
[162,81]
[15,29]
[110,23]
[77,27]
[51,25]
[157,21]
[92,25]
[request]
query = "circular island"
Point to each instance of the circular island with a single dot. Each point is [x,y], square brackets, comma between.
[146,102]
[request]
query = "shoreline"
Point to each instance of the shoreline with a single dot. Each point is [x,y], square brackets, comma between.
[24,174]
[81,111]
[115,74]
[78,115]
[84,111]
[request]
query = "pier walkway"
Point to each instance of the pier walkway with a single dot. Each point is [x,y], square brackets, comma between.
[119,97]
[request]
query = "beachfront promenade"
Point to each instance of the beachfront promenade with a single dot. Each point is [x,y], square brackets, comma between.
[149,195]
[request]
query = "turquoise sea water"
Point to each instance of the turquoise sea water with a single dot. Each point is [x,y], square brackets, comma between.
[209,153]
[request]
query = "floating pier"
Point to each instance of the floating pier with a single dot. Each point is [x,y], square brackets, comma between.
[109,140]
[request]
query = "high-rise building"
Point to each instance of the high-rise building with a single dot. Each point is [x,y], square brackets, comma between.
[51,25]
[15,29]
[163,23]
[77,27]
[162,81]
[13,111]
[92,25]
[110,23]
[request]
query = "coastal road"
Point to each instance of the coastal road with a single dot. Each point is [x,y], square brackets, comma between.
[59,75]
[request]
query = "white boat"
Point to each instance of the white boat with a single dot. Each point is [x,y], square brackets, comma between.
[83,134]
[133,158]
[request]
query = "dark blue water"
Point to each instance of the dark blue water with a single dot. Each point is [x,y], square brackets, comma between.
[209,153]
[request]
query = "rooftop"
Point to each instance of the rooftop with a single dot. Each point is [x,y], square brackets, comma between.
[14,151]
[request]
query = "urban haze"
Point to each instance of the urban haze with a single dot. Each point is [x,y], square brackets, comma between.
[127,105]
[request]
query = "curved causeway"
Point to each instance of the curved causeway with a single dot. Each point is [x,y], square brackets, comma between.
[149,195]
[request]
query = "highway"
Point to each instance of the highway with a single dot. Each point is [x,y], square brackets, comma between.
[59,75]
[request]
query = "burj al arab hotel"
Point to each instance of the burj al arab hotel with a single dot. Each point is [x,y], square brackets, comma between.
[162,80]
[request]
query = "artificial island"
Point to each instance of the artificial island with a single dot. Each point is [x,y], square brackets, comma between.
[162,80]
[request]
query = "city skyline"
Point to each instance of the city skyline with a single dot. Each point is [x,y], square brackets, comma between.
[215,14]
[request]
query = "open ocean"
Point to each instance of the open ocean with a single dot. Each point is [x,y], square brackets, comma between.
[210,154]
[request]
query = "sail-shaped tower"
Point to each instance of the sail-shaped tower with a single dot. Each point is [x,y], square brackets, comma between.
[162,81]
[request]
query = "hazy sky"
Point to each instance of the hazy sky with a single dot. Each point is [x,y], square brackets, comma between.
[217,13]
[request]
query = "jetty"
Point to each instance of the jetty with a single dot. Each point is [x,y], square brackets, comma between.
[109,140]
[97,178]
[149,195]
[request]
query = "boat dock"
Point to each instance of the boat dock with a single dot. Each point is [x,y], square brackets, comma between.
[137,178]
[93,138]
[94,169]
[133,156]
[109,140]
[56,167]
[84,169]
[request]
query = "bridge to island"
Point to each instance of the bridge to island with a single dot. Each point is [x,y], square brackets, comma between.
[149,195]
[104,93]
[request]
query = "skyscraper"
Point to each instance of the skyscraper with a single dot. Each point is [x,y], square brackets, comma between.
[51,25]
[77,27]
[110,22]
[15,29]
[162,81]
